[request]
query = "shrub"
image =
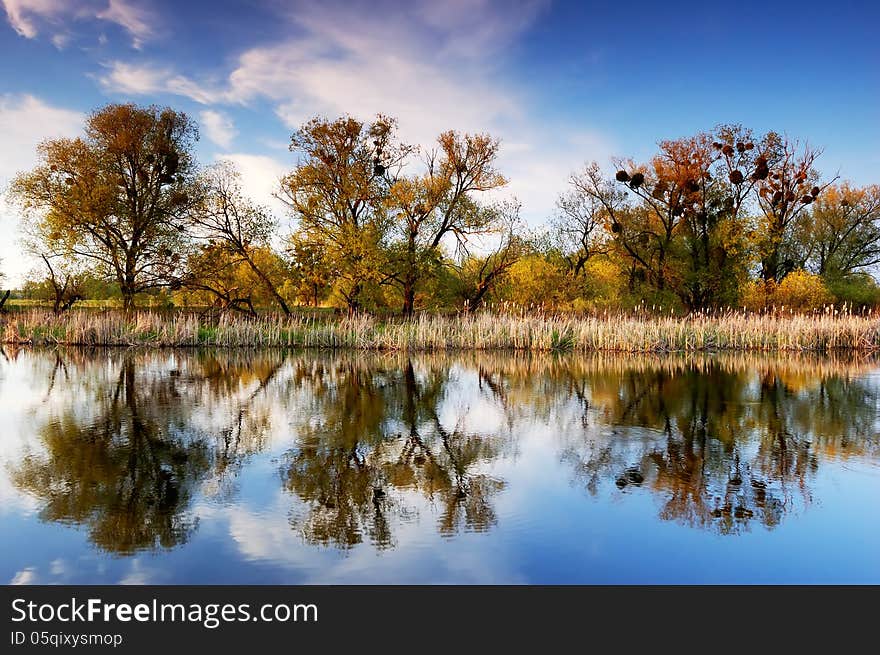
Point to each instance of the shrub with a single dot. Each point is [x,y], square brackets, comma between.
[802,292]
[534,281]
[757,295]
[798,291]
[858,290]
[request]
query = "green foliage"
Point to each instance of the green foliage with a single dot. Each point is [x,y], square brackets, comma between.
[858,290]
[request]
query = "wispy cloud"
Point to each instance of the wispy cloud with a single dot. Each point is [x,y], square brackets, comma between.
[135,79]
[23,15]
[30,18]
[434,66]
[218,127]
[143,79]
[132,16]
[429,65]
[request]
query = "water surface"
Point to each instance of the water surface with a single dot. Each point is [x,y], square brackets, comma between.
[287,467]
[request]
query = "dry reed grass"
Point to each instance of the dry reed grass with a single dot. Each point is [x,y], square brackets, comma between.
[479,331]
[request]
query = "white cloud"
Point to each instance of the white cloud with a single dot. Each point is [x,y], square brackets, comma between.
[260,177]
[26,576]
[434,66]
[22,14]
[219,127]
[431,67]
[24,121]
[30,18]
[145,79]
[61,40]
[133,79]
[133,17]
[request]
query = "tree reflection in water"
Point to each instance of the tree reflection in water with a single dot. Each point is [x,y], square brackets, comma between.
[126,442]
[736,440]
[125,474]
[373,433]
[122,457]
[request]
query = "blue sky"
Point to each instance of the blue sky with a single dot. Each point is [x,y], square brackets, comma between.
[561,83]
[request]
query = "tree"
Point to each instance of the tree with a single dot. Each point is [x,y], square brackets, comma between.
[840,234]
[581,218]
[63,294]
[429,208]
[311,271]
[213,269]
[228,220]
[479,274]
[117,195]
[680,219]
[536,280]
[337,194]
[789,184]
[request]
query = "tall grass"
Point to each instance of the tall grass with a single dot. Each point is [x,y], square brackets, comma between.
[480,331]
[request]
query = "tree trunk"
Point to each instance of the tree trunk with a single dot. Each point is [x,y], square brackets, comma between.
[269,286]
[474,301]
[409,298]
[127,287]
[127,299]
[770,266]
[354,299]
[4,299]
[409,283]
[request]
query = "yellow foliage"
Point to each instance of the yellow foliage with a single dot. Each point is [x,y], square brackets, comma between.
[535,281]
[604,285]
[799,291]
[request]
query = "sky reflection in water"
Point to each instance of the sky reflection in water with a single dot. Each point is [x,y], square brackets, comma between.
[272,467]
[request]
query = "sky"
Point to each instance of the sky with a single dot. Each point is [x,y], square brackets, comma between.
[560,83]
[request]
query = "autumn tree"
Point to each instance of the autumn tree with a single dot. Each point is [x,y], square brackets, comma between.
[219,277]
[116,196]
[789,184]
[434,206]
[311,273]
[479,272]
[579,227]
[236,230]
[681,219]
[537,280]
[337,191]
[840,233]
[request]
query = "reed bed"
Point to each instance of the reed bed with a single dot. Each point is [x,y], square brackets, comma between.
[732,331]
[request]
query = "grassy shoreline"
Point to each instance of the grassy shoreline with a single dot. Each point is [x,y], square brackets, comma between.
[480,331]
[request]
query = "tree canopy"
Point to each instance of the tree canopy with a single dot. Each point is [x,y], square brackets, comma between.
[720,218]
[118,195]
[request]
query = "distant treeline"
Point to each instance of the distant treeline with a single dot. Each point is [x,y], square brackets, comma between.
[720,219]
